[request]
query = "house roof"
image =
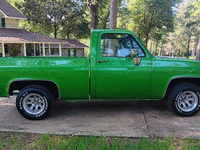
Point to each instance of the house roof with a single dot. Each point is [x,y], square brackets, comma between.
[8,35]
[9,11]
[71,43]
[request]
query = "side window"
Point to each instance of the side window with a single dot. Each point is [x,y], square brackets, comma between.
[119,45]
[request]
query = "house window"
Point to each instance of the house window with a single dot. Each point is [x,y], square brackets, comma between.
[37,49]
[74,53]
[3,23]
[12,49]
[6,49]
[69,53]
[29,50]
[54,51]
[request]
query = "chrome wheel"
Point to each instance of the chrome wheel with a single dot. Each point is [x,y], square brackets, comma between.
[187,101]
[34,103]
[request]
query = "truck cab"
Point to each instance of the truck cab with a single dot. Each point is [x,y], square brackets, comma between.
[113,72]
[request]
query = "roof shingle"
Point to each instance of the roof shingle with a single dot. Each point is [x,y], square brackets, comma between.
[9,10]
[71,43]
[8,35]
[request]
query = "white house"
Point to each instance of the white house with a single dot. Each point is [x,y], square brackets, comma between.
[15,41]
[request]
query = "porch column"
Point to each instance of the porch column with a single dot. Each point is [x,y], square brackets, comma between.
[34,49]
[49,50]
[60,51]
[24,49]
[40,49]
[43,48]
[3,50]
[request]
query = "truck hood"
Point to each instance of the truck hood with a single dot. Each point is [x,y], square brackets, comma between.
[178,62]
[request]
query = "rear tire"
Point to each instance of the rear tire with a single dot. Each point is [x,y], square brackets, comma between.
[34,102]
[183,99]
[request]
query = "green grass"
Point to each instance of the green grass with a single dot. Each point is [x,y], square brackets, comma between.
[18,141]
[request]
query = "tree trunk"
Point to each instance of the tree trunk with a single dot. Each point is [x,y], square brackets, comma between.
[113,14]
[139,36]
[55,31]
[161,47]
[106,20]
[67,34]
[94,14]
[195,48]
[188,45]
[146,39]
[198,49]
[151,46]
[156,47]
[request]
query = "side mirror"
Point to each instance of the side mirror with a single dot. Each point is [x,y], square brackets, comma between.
[134,56]
[134,53]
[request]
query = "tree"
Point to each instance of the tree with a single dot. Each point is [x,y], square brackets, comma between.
[54,15]
[149,14]
[103,15]
[198,49]
[123,17]
[196,12]
[156,35]
[99,13]
[113,14]
[186,30]
[12,2]
[189,24]
[93,7]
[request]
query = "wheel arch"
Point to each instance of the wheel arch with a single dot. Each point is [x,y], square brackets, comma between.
[20,84]
[175,81]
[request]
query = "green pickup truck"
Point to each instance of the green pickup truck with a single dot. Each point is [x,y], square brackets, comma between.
[119,68]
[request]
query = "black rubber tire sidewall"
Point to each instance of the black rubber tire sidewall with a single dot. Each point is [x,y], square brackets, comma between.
[174,95]
[42,92]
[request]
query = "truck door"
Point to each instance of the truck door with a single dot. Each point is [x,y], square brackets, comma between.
[116,75]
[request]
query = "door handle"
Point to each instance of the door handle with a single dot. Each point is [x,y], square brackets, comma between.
[100,61]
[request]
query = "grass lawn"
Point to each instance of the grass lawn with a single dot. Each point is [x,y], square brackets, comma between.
[37,141]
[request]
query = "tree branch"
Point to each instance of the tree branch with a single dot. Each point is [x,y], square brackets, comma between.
[89,4]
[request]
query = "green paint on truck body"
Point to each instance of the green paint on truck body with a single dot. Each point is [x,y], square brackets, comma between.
[114,78]
[70,74]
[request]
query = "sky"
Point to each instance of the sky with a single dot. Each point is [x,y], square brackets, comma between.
[186,1]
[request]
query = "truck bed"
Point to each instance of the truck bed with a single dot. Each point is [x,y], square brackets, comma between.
[70,74]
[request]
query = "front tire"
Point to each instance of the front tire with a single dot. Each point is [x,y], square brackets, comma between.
[183,99]
[34,102]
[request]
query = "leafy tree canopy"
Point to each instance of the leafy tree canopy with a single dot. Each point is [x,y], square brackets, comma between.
[56,16]
[149,14]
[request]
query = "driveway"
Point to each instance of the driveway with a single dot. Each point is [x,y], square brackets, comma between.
[107,118]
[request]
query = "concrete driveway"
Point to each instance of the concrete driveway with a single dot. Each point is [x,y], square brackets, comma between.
[108,118]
